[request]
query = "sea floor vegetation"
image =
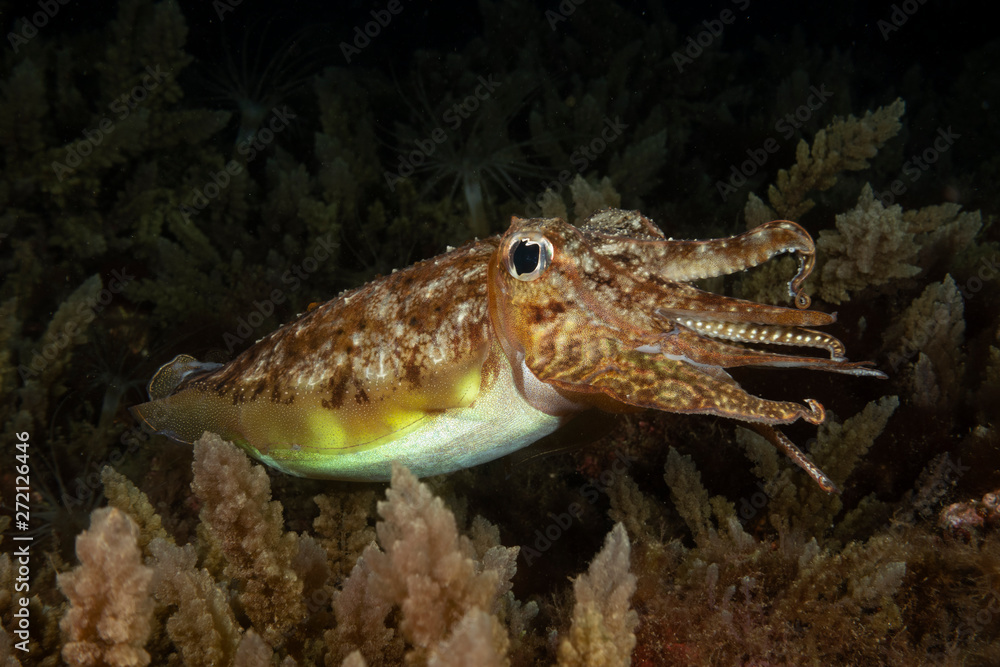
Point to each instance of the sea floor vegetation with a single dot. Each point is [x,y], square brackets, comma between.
[140,218]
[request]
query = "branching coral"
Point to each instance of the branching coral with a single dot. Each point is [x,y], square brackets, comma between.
[927,342]
[589,199]
[431,572]
[871,247]
[426,565]
[632,508]
[342,528]
[202,624]
[123,495]
[250,530]
[689,495]
[873,581]
[846,144]
[45,361]
[361,622]
[943,231]
[254,652]
[437,597]
[477,639]
[736,599]
[795,503]
[111,610]
[586,198]
[31,404]
[453,592]
[7,658]
[603,630]
[874,244]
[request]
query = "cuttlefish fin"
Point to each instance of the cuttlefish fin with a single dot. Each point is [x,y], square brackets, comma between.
[161,414]
[173,373]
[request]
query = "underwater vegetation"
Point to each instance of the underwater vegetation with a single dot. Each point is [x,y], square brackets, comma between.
[133,228]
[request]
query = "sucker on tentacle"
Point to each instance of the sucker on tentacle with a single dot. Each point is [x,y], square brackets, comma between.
[758,333]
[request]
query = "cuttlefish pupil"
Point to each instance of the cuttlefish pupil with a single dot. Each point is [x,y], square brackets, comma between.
[528,257]
[464,358]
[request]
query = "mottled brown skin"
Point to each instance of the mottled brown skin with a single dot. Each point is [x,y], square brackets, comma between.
[613,323]
[393,325]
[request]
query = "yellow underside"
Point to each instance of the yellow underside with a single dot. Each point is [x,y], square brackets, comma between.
[449,423]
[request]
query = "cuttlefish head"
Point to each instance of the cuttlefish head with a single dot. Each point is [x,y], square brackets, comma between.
[603,315]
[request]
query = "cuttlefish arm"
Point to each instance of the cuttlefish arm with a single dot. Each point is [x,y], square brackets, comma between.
[608,320]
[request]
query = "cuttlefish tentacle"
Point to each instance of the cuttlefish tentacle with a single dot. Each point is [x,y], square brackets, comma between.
[689,301]
[783,444]
[684,261]
[758,333]
[693,346]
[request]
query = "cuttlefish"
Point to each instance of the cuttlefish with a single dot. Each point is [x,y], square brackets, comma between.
[471,355]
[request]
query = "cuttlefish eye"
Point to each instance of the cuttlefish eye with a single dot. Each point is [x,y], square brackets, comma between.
[528,256]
